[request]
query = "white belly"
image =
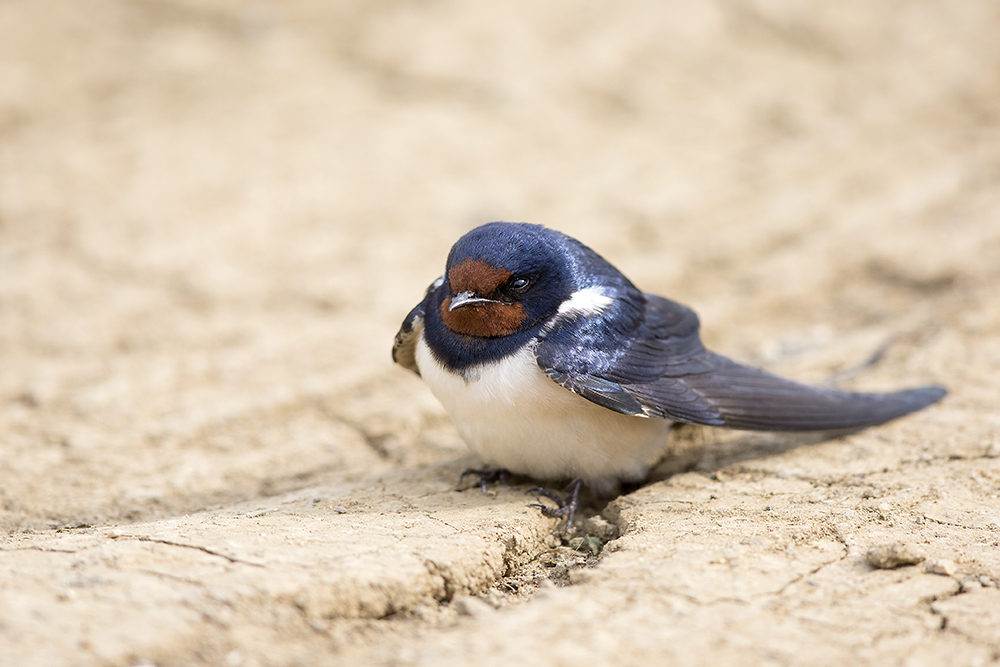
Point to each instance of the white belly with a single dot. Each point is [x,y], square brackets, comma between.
[513,416]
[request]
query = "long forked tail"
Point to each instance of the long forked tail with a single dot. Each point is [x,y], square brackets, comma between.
[752,399]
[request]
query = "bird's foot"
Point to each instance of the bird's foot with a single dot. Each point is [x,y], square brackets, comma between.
[485,476]
[565,506]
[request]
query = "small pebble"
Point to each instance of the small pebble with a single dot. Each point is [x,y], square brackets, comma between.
[891,556]
[942,566]
[466,605]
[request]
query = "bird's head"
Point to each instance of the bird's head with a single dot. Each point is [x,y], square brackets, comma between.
[504,278]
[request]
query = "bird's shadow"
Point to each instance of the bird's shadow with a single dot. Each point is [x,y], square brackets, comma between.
[708,450]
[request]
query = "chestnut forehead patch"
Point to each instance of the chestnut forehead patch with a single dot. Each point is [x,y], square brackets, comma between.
[476,276]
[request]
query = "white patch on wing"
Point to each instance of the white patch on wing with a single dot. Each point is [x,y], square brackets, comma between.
[437,283]
[587,301]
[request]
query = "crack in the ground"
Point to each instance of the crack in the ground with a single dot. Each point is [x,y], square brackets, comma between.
[376,443]
[196,547]
[42,549]
[172,577]
[949,523]
[816,570]
[429,515]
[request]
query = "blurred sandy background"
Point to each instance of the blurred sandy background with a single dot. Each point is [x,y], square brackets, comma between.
[214,215]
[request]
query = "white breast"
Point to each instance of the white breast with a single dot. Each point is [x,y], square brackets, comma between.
[513,416]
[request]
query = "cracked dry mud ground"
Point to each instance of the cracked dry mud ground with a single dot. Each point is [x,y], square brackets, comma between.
[214,215]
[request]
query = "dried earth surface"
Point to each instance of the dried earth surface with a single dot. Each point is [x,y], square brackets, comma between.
[214,215]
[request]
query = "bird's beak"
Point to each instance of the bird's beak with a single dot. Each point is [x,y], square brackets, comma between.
[467,299]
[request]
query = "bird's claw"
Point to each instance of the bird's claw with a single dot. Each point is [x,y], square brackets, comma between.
[565,506]
[485,476]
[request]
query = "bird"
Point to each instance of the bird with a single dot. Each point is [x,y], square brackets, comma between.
[555,366]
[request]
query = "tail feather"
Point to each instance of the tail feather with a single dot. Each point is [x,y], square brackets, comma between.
[753,399]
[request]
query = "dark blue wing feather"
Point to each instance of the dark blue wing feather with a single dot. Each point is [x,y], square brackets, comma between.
[660,362]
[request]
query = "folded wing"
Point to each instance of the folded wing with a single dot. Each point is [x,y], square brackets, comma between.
[663,370]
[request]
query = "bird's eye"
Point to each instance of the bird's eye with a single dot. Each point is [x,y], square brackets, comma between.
[519,284]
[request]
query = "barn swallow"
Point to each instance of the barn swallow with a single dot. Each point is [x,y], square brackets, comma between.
[553,365]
